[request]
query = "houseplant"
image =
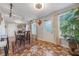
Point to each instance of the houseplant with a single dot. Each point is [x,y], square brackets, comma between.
[70,28]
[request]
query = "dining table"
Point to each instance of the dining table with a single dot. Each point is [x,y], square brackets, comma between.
[22,37]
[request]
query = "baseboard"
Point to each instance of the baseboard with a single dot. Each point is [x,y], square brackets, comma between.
[46,40]
[51,42]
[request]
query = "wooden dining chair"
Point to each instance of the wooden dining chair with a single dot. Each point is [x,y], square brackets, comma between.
[6,48]
[28,36]
[16,38]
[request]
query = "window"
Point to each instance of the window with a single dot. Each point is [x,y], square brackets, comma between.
[27,28]
[2,28]
[34,28]
[48,25]
[63,21]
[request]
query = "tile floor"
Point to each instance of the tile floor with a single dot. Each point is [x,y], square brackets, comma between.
[42,48]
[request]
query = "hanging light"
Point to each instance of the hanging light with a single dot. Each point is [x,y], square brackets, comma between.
[11,6]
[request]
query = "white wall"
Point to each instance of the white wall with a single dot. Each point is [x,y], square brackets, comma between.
[43,34]
[51,36]
[40,31]
[11,28]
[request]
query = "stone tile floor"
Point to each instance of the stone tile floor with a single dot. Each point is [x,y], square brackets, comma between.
[42,48]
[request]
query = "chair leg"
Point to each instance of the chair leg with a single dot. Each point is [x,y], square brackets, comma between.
[6,50]
[16,41]
[20,42]
[24,42]
[13,45]
[29,40]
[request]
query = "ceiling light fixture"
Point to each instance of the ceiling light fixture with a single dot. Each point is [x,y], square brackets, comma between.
[39,6]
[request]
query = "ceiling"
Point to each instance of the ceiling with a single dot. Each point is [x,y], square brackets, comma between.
[26,10]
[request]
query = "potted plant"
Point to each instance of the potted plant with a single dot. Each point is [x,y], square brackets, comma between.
[70,29]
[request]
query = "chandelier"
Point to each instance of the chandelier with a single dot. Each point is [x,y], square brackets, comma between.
[11,7]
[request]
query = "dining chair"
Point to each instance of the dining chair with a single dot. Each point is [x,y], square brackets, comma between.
[28,36]
[5,44]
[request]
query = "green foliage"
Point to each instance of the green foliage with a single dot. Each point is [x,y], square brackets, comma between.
[70,25]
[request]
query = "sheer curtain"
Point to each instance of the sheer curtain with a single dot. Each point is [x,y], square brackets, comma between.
[2,29]
[27,28]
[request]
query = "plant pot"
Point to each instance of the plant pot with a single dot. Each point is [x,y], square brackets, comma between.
[72,45]
[77,45]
